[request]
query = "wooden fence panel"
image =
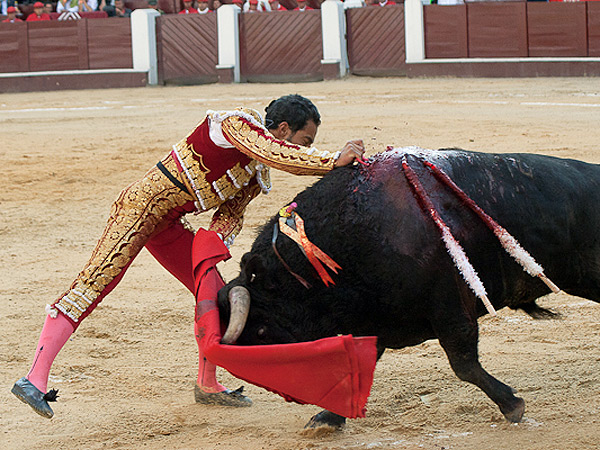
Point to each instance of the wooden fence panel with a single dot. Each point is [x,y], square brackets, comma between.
[281,46]
[497,29]
[376,40]
[445,31]
[593,23]
[187,48]
[58,45]
[109,43]
[557,29]
[14,52]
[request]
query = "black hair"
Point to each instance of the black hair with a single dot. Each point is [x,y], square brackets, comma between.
[293,109]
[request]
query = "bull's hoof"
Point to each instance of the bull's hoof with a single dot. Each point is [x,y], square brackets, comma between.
[225,398]
[516,414]
[326,419]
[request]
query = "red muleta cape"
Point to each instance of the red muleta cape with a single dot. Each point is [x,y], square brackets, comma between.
[334,373]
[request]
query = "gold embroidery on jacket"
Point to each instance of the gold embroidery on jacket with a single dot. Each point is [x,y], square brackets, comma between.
[197,172]
[239,176]
[229,218]
[224,187]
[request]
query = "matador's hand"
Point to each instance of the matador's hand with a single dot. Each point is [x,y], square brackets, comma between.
[352,150]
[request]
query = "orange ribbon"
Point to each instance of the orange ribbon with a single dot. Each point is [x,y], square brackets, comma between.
[312,252]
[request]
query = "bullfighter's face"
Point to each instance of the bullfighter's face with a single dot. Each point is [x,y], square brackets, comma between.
[305,136]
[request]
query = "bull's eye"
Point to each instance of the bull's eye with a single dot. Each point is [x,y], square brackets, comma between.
[261,331]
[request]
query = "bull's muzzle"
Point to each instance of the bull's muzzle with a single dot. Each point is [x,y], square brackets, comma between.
[239,301]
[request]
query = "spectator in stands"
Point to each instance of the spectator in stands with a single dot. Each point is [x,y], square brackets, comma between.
[153,4]
[275,6]
[302,6]
[121,10]
[251,6]
[76,5]
[38,13]
[5,4]
[104,4]
[216,4]
[203,7]
[71,6]
[11,12]
[383,3]
[48,8]
[258,6]
[116,8]
[188,8]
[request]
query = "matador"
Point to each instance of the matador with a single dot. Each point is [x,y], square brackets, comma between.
[222,164]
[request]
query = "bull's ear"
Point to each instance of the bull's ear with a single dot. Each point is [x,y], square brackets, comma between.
[253,267]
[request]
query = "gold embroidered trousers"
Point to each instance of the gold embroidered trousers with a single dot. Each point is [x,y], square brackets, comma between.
[148,210]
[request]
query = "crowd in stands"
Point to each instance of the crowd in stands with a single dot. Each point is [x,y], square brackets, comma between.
[74,9]
[31,10]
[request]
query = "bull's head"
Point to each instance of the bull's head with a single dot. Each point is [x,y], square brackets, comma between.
[267,321]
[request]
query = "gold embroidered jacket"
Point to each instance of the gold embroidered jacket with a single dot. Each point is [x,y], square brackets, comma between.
[220,174]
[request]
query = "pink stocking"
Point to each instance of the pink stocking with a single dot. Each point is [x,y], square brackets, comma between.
[207,371]
[55,334]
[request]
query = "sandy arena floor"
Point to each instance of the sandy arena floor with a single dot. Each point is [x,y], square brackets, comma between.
[126,377]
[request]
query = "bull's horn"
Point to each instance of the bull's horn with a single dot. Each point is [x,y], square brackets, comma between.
[239,301]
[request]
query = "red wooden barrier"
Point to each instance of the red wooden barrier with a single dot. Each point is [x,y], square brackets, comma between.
[58,45]
[376,40]
[187,46]
[65,45]
[445,31]
[13,47]
[557,29]
[497,29]
[593,23]
[284,45]
[109,43]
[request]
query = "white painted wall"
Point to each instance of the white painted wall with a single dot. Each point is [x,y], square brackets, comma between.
[414,31]
[333,26]
[228,39]
[143,43]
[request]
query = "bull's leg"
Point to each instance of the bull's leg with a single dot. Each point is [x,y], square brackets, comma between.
[327,418]
[459,341]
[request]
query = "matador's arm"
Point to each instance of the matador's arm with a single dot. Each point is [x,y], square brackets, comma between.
[227,221]
[250,137]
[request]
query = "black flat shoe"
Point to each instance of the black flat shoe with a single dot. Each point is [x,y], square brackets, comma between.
[25,391]
[225,398]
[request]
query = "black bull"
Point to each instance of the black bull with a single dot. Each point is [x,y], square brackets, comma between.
[398,282]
